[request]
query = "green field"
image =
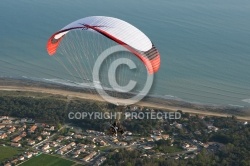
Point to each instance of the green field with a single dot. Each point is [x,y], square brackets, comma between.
[168,149]
[47,160]
[7,152]
[172,149]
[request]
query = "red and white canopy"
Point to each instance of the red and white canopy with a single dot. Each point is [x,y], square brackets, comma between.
[117,30]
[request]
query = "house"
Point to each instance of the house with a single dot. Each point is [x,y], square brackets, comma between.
[49,128]
[100,161]
[31,142]
[14,161]
[33,128]
[28,155]
[75,156]
[2,126]
[8,126]
[45,133]
[83,145]
[21,129]
[144,155]
[60,152]
[201,116]
[149,139]
[133,143]
[146,147]
[54,144]
[45,147]
[16,144]
[179,126]
[66,148]
[23,120]
[52,128]
[17,122]
[165,136]
[39,138]
[72,144]
[78,136]
[197,132]
[7,164]
[129,133]
[35,153]
[205,145]
[115,140]
[156,132]
[213,128]
[67,137]
[90,131]
[82,150]
[185,146]
[6,121]
[4,117]
[157,138]
[123,143]
[23,134]
[30,121]
[16,139]
[60,139]
[192,148]
[142,139]
[21,158]
[3,136]
[90,156]
[102,143]
[77,152]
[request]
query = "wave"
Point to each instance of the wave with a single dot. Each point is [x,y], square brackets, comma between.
[171,97]
[90,85]
[233,105]
[246,100]
[69,83]
[77,84]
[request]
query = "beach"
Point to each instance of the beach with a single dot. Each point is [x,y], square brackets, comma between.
[38,87]
[204,46]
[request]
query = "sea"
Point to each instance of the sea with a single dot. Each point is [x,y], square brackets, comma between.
[204,45]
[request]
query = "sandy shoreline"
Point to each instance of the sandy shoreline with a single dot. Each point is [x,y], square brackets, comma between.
[87,96]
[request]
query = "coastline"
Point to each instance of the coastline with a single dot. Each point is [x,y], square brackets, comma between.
[168,105]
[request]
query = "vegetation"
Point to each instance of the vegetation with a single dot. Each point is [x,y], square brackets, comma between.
[49,110]
[56,109]
[47,160]
[8,152]
[165,147]
[233,135]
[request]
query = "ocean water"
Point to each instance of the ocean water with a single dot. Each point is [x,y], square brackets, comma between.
[204,45]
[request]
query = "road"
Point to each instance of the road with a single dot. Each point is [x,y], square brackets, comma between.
[48,139]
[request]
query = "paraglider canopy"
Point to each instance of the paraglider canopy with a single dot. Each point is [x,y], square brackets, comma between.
[117,30]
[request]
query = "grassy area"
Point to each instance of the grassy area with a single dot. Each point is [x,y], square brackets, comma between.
[7,152]
[36,95]
[169,149]
[172,149]
[102,148]
[47,160]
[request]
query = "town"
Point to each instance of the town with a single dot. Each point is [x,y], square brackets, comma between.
[91,147]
